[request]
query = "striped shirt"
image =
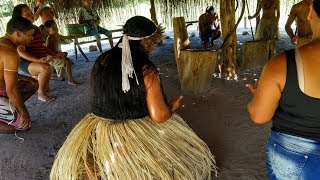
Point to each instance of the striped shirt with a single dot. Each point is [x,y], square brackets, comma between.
[37,47]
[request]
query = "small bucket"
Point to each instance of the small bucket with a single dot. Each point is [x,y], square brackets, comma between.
[75,29]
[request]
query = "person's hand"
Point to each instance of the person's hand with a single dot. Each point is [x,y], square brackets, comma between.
[26,121]
[60,55]
[174,104]
[252,88]
[46,59]
[294,40]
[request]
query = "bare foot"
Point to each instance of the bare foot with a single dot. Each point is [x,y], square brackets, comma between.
[57,78]
[45,98]
[6,129]
[73,83]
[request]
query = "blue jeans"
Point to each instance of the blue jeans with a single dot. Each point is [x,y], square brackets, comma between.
[290,157]
[97,31]
[207,35]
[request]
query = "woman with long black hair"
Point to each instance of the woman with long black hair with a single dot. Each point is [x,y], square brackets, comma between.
[132,132]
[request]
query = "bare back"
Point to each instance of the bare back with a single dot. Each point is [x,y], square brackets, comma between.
[300,11]
[7,52]
[311,67]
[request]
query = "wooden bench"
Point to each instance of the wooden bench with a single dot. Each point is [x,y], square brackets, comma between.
[76,32]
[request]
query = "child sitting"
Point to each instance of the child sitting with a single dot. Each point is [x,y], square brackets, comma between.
[60,63]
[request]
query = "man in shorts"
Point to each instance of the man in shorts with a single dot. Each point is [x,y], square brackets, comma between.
[89,17]
[209,27]
[14,88]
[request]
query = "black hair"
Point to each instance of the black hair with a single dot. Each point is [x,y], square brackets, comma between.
[108,100]
[49,23]
[139,26]
[17,10]
[316,7]
[209,9]
[19,24]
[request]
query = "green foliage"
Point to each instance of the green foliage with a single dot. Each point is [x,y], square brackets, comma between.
[6,8]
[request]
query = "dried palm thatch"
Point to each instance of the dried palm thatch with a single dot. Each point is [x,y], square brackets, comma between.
[134,149]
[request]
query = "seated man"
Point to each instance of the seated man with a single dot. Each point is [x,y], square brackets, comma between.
[36,56]
[209,27]
[14,88]
[299,12]
[91,20]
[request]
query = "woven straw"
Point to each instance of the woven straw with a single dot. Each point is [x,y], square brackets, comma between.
[134,149]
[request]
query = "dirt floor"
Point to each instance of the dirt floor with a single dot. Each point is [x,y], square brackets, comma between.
[219,117]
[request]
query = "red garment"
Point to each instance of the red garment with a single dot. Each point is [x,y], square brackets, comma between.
[37,47]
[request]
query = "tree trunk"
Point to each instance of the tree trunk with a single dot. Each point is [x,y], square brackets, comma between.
[229,66]
[195,68]
[181,39]
[153,12]
[257,18]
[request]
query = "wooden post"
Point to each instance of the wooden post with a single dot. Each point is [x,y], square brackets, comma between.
[245,22]
[181,39]
[258,17]
[153,12]
[229,58]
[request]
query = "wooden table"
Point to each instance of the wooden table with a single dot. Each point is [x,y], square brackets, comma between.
[77,43]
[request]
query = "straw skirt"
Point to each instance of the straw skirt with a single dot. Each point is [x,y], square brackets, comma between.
[133,149]
[267,29]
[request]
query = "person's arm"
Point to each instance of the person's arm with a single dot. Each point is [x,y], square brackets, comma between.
[216,23]
[29,57]
[158,109]
[11,80]
[37,12]
[267,93]
[53,11]
[257,12]
[52,46]
[289,22]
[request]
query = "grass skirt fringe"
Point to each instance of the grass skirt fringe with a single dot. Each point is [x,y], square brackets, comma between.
[134,149]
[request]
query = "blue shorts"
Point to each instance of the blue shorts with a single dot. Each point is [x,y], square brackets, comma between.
[23,65]
[292,157]
[96,32]
[207,35]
